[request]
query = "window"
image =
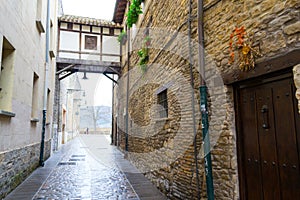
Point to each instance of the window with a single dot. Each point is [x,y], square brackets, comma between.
[90,42]
[34,106]
[162,99]
[6,74]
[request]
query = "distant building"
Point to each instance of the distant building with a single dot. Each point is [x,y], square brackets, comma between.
[67,107]
[22,87]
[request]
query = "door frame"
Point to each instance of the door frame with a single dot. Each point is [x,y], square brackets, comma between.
[254,82]
[266,69]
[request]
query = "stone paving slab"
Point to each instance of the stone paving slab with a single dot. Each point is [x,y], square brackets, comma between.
[101,147]
[87,168]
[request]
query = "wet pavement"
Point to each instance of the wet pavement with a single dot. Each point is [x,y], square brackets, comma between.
[87,168]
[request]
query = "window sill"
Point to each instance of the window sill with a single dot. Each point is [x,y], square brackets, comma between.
[52,54]
[34,120]
[40,26]
[7,114]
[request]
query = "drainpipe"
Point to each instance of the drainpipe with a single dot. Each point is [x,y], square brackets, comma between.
[193,96]
[203,104]
[127,89]
[112,113]
[41,162]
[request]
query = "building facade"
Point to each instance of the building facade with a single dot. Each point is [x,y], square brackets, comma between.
[251,69]
[69,100]
[22,83]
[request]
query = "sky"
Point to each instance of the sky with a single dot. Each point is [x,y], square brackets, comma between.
[98,88]
[100,9]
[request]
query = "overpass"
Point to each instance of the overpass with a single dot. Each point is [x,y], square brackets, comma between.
[87,45]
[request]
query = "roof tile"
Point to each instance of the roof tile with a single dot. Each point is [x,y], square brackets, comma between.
[88,21]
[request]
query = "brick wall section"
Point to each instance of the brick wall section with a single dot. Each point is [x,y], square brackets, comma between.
[17,164]
[163,149]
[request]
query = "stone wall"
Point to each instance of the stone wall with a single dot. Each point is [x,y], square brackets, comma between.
[163,148]
[273,26]
[16,165]
[296,71]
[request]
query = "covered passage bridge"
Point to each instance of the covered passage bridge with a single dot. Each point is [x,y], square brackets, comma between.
[87,45]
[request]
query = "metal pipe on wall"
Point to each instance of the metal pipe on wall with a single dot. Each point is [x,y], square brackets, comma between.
[127,88]
[41,162]
[112,113]
[203,104]
[193,95]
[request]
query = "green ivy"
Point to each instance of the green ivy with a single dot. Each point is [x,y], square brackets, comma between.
[144,58]
[133,13]
[122,36]
[144,54]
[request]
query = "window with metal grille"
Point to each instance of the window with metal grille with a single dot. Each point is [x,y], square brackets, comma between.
[162,99]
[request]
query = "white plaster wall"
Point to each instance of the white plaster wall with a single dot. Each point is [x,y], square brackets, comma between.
[69,41]
[111,46]
[17,24]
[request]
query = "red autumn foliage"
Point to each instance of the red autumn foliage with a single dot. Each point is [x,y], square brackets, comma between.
[239,42]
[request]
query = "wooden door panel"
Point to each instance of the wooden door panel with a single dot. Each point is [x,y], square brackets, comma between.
[250,142]
[269,137]
[287,150]
[267,143]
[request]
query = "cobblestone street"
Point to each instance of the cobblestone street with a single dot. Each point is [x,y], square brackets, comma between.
[89,168]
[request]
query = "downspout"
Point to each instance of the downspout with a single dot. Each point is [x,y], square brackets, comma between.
[193,96]
[41,162]
[112,114]
[203,104]
[57,113]
[127,88]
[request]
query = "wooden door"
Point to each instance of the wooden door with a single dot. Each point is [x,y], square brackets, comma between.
[269,139]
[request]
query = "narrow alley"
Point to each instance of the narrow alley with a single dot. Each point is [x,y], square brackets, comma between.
[86,168]
[150,100]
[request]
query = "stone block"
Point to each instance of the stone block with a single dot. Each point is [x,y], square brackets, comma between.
[273,43]
[296,71]
[292,28]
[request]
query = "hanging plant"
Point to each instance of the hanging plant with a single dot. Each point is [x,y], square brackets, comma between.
[240,42]
[133,12]
[144,58]
[144,53]
[122,37]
